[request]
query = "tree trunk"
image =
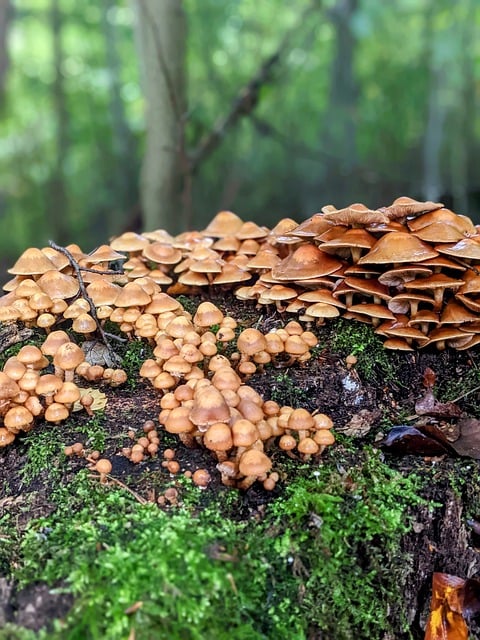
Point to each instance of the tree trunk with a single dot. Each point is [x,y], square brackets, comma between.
[124,152]
[5,18]
[339,130]
[463,142]
[57,199]
[161,35]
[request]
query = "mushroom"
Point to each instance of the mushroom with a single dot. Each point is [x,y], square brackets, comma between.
[67,357]
[103,467]
[253,464]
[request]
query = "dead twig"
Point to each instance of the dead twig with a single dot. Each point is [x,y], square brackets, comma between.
[93,312]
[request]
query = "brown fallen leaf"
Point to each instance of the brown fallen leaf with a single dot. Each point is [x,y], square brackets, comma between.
[453,601]
[429,377]
[360,423]
[424,440]
[468,442]
[430,406]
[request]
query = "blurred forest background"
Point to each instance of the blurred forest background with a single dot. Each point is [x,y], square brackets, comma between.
[269,109]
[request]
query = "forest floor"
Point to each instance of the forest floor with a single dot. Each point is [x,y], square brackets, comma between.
[345,546]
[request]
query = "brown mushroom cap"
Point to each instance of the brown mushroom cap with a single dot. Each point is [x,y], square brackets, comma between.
[129,242]
[6,437]
[58,285]
[355,215]
[103,466]
[405,206]
[84,323]
[67,394]
[254,463]
[244,433]
[8,387]
[398,247]
[307,261]
[68,356]
[209,406]
[467,249]
[56,412]
[251,341]
[225,223]
[32,357]
[218,437]
[300,420]
[32,262]
[441,225]
[207,315]
[18,419]
[308,446]
[132,295]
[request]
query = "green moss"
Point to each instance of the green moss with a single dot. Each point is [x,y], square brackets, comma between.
[135,354]
[343,538]
[374,364]
[463,388]
[323,559]
[286,390]
[189,303]
[95,431]
[44,452]
[13,632]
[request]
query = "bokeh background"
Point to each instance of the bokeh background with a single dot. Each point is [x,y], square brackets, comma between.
[121,115]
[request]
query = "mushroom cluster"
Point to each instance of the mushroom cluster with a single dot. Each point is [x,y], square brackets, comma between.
[409,269]
[211,405]
[27,391]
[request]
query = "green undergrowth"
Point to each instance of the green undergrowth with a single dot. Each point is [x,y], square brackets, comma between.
[135,354]
[323,559]
[350,337]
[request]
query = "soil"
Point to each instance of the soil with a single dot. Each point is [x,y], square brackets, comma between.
[322,384]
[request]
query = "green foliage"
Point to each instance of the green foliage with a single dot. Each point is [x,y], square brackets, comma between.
[325,557]
[13,632]
[465,388]
[192,574]
[189,303]
[136,352]
[343,537]
[285,390]
[249,170]
[44,451]
[356,338]
[95,431]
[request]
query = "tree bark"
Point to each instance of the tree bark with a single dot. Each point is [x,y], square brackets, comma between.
[5,18]
[125,191]
[339,130]
[57,199]
[161,37]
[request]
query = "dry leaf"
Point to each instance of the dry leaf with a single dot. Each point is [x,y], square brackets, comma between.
[425,440]
[429,406]
[453,600]
[99,399]
[429,377]
[360,423]
[468,443]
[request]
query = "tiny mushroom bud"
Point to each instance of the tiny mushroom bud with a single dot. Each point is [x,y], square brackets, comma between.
[104,467]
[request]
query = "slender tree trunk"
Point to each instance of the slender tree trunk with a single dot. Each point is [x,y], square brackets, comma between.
[161,36]
[57,198]
[463,149]
[125,191]
[339,128]
[5,18]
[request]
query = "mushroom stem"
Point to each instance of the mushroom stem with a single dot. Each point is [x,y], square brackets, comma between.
[247,482]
